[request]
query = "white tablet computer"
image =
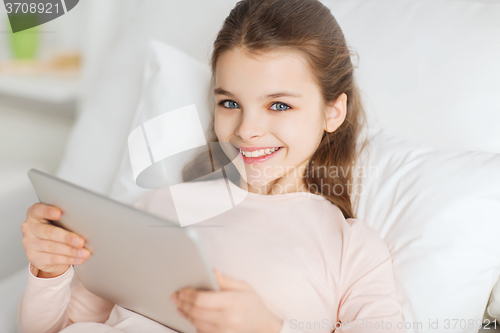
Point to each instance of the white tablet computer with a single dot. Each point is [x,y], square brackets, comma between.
[138,260]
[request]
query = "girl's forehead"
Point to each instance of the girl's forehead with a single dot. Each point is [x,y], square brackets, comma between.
[273,65]
[280,54]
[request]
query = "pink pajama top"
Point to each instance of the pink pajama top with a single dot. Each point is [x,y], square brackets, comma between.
[313,268]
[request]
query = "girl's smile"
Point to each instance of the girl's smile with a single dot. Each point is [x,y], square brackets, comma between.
[257,154]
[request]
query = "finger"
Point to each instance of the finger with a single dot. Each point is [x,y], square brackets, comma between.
[200,315]
[51,232]
[228,283]
[205,298]
[50,259]
[205,327]
[41,211]
[60,248]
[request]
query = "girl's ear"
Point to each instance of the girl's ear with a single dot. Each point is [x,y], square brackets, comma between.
[335,113]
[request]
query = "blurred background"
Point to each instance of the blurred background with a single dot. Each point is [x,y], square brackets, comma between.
[40,73]
[43,75]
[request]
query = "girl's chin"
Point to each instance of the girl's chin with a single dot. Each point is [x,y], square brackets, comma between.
[257,176]
[259,182]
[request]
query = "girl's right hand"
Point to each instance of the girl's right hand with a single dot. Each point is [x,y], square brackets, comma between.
[49,248]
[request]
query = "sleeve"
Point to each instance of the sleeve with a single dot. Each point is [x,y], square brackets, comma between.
[369,298]
[51,304]
[287,327]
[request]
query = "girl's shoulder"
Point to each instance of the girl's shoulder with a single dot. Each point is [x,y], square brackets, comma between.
[359,230]
[363,244]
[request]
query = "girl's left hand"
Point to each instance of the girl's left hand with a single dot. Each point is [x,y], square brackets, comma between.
[236,308]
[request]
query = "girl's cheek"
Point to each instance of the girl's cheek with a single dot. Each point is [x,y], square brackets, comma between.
[216,128]
[222,128]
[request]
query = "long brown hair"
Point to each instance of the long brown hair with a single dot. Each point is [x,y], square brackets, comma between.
[309,27]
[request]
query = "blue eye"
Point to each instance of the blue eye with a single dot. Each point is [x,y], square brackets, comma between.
[233,103]
[281,106]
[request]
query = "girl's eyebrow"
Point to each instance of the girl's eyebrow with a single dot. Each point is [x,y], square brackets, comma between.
[220,91]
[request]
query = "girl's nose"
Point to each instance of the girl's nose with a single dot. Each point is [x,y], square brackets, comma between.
[250,127]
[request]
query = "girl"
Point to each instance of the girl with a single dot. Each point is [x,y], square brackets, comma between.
[294,257]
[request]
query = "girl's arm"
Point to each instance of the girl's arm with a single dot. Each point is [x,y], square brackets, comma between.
[51,304]
[369,301]
[368,295]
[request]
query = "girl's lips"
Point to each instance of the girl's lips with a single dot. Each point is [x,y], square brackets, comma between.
[260,159]
[255,148]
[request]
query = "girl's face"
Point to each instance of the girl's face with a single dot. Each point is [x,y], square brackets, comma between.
[270,102]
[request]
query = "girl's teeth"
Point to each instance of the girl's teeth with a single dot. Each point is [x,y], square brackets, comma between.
[258,153]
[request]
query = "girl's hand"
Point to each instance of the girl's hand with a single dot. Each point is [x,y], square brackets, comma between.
[49,248]
[237,308]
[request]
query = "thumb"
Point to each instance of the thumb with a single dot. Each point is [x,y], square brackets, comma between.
[227,283]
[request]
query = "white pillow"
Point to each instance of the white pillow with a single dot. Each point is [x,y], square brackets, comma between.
[429,69]
[438,211]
